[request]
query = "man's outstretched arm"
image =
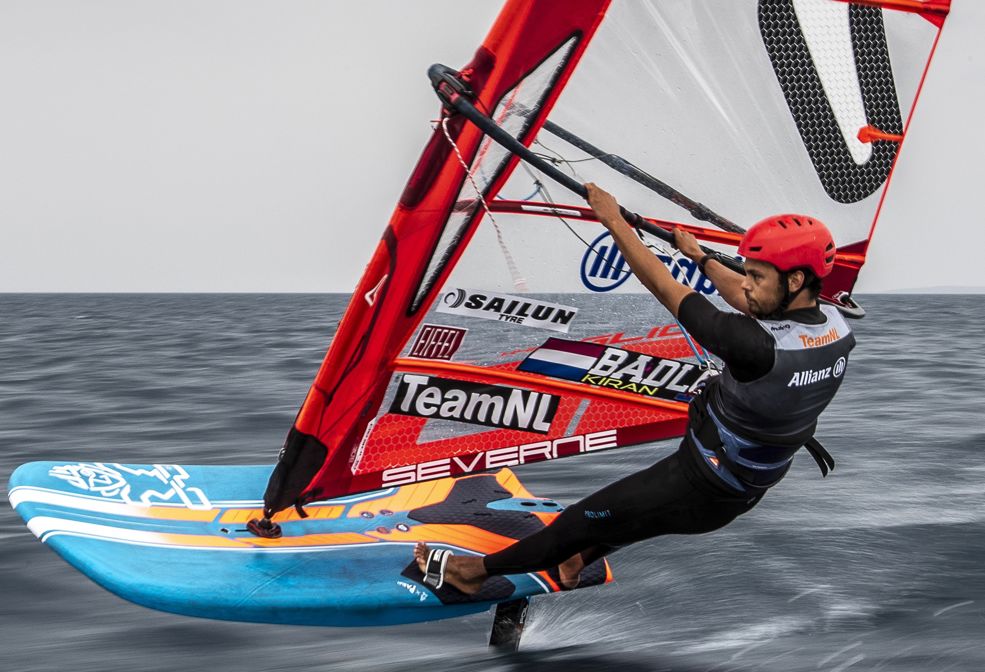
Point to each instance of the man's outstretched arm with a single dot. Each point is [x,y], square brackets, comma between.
[648,269]
[727,282]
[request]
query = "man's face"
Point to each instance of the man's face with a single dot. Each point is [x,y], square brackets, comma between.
[762,288]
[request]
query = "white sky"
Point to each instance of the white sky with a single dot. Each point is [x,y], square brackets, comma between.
[237,145]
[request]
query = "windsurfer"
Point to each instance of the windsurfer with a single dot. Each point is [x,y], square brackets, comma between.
[784,356]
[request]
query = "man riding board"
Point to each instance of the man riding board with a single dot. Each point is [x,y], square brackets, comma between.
[784,356]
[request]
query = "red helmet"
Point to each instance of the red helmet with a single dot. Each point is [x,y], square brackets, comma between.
[789,242]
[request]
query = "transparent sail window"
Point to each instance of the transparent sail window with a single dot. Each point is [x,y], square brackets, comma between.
[514,113]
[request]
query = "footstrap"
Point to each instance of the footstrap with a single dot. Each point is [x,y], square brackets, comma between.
[434,574]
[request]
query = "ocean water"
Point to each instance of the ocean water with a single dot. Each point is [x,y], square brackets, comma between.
[881,566]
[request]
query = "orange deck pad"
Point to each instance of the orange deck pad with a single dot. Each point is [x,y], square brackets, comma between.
[408,497]
[242,516]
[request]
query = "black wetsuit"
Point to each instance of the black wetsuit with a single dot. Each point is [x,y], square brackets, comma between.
[689,492]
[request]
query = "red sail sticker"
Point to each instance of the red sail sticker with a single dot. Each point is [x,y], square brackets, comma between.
[437,342]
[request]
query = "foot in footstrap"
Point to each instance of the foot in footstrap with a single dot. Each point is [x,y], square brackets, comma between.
[263,527]
[434,574]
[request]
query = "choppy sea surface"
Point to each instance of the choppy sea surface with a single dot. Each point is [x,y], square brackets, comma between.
[881,566]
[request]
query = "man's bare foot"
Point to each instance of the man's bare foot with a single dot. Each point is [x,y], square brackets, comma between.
[465,572]
[569,571]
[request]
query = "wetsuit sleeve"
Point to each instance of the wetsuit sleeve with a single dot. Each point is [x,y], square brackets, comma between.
[737,339]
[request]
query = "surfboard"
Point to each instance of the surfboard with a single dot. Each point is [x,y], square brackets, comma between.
[174,538]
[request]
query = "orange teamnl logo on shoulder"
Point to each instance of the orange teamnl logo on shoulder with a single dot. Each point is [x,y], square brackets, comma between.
[818,341]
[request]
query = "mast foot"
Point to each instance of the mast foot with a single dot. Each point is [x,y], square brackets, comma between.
[263,527]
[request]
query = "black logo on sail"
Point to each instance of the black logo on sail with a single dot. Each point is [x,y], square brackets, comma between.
[526,311]
[491,405]
[843,177]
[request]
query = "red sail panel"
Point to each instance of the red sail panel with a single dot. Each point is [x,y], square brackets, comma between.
[402,275]
[588,419]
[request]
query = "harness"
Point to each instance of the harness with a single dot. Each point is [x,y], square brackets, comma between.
[705,428]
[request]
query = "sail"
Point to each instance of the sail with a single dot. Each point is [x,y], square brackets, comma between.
[484,334]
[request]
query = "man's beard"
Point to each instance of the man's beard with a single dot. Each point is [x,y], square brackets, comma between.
[773,308]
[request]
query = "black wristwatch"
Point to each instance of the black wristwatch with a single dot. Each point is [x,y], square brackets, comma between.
[704,260]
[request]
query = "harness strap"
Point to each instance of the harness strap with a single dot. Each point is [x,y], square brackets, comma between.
[823,458]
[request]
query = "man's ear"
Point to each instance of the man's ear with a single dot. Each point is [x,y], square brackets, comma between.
[795,280]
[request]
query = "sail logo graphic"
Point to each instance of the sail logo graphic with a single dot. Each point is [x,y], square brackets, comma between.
[832,63]
[436,341]
[160,483]
[615,368]
[474,403]
[371,295]
[497,458]
[686,271]
[603,268]
[505,308]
